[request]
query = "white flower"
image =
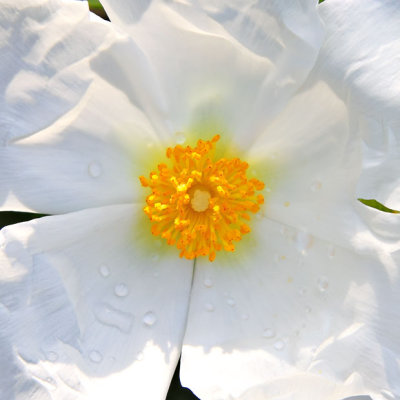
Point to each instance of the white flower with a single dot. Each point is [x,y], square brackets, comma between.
[92,308]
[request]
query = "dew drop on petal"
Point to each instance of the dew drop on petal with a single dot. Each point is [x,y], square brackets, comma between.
[245,317]
[104,271]
[303,242]
[149,319]
[51,382]
[302,291]
[52,356]
[95,356]
[121,290]
[308,309]
[286,232]
[208,283]
[279,345]
[95,169]
[155,257]
[209,307]
[322,283]
[316,185]
[331,251]
[110,316]
[230,301]
[179,138]
[268,333]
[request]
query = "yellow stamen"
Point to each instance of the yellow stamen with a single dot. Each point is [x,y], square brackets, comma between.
[199,204]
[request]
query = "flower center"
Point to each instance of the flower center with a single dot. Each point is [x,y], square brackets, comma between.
[200,200]
[199,204]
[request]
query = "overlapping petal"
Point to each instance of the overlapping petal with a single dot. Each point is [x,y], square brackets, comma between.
[361,54]
[239,73]
[86,149]
[304,301]
[293,308]
[360,60]
[83,310]
[44,49]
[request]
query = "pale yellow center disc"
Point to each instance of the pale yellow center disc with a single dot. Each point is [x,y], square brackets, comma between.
[200,200]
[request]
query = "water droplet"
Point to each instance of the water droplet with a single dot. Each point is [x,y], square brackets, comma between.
[121,290]
[95,356]
[303,242]
[155,257]
[104,271]
[308,309]
[316,185]
[302,291]
[53,384]
[231,302]
[331,251]
[209,307]
[179,137]
[52,356]
[286,232]
[110,316]
[322,283]
[139,356]
[268,333]
[245,317]
[279,345]
[208,282]
[149,319]
[95,169]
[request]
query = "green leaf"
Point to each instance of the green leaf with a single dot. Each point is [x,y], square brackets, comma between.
[96,7]
[379,206]
[95,4]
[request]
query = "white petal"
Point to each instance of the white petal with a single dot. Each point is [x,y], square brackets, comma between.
[83,308]
[361,62]
[42,44]
[310,161]
[90,157]
[232,64]
[292,309]
[361,54]
[380,178]
[90,152]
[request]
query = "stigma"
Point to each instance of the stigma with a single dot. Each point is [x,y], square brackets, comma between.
[199,203]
